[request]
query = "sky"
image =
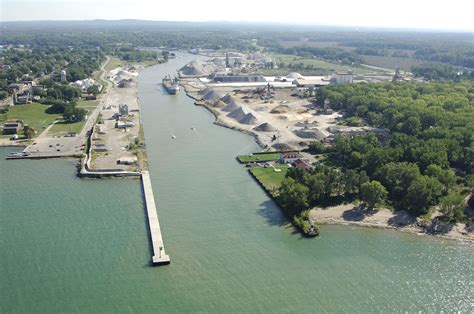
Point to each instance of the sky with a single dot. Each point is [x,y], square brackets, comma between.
[419,14]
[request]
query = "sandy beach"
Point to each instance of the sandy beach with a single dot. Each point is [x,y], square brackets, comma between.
[348,214]
[351,214]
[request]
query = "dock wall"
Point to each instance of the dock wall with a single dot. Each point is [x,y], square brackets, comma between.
[159,254]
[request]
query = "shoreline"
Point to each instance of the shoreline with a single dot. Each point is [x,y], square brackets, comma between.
[219,122]
[351,215]
[105,167]
[334,215]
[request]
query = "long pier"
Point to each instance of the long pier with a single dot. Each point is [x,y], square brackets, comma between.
[159,255]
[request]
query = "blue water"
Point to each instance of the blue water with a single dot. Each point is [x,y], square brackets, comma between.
[72,245]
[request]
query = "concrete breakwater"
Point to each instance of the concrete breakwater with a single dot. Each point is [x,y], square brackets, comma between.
[85,170]
[159,254]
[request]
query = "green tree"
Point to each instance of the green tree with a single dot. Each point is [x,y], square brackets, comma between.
[28,132]
[452,206]
[373,193]
[74,114]
[447,177]
[397,178]
[293,197]
[423,193]
[296,174]
[94,90]
[351,181]
[316,185]
[470,201]
[316,148]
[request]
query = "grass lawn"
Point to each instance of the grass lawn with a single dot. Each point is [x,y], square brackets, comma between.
[258,157]
[405,64]
[319,65]
[61,128]
[270,178]
[148,63]
[87,103]
[33,114]
[114,63]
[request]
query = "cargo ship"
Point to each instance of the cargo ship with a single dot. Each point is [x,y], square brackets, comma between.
[171,85]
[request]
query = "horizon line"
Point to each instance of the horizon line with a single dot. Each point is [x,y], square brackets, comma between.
[300,24]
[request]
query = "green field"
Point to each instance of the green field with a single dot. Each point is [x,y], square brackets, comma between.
[148,63]
[33,114]
[270,178]
[87,104]
[114,63]
[405,64]
[258,157]
[61,128]
[317,44]
[320,67]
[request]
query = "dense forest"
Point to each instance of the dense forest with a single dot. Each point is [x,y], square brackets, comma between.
[427,161]
[334,44]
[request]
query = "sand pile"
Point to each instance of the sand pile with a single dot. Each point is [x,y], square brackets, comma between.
[119,74]
[280,109]
[231,107]
[265,127]
[218,61]
[310,133]
[249,119]
[218,104]
[211,94]
[237,114]
[193,69]
[229,99]
[294,76]
[307,124]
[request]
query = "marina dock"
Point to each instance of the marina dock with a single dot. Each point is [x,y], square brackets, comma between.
[159,255]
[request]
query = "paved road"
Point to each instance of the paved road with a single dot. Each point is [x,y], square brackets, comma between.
[46,145]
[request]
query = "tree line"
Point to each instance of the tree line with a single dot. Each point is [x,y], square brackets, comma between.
[427,160]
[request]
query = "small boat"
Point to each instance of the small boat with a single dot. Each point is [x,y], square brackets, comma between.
[193,128]
[173,136]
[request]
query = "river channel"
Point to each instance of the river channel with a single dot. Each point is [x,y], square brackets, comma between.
[75,245]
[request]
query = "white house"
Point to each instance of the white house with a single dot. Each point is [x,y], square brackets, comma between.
[289,157]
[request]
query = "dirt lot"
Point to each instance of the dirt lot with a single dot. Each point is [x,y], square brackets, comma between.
[291,122]
[117,141]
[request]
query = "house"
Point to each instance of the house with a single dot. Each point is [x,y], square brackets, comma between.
[22,98]
[301,164]
[14,87]
[12,127]
[83,85]
[289,157]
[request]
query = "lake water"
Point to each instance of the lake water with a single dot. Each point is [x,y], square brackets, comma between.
[75,245]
